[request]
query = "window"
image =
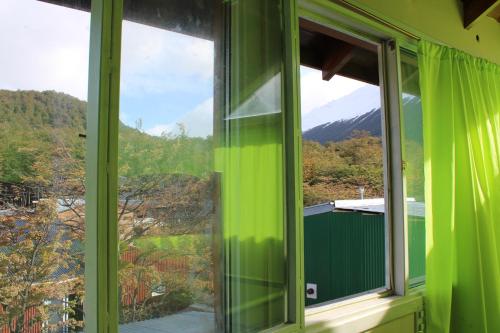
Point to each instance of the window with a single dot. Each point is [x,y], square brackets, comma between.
[413,147]
[200,165]
[343,166]
[178,176]
[43,111]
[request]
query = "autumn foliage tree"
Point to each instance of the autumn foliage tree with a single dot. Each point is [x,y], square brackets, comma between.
[36,265]
[336,170]
[165,185]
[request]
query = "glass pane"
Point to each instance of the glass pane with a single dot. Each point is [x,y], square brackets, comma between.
[414,167]
[201,167]
[43,92]
[252,168]
[343,167]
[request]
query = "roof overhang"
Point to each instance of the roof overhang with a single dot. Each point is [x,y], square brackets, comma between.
[475,10]
[193,18]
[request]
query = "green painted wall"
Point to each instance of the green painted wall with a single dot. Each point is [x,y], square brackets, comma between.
[441,20]
[404,324]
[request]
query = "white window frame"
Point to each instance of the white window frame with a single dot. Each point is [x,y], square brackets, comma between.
[364,311]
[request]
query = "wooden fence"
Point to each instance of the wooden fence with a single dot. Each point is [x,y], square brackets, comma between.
[180,265]
[29,316]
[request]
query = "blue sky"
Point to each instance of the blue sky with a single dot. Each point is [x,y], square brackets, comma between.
[166,77]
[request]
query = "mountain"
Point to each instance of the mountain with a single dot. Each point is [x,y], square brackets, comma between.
[40,141]
[355,104]
[36,109]
[38,130]
[342,129]
[370,121]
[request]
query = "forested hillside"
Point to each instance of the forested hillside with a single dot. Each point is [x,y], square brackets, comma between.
[40,138]
[40,133]
[342,156]
[42,109]
[336,170]
[37,131]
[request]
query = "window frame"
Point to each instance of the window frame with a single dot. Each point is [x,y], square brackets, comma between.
[101,281]
[101,248]
[418,283]
[350,19]
[381,54]
[102,253]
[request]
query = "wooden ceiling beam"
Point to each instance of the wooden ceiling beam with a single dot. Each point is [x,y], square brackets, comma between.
[475,9]
[320,29]
[361,73]
[336,60]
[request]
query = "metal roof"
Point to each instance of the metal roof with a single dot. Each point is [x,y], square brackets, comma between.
[318,209]
[374,206]
[377,206]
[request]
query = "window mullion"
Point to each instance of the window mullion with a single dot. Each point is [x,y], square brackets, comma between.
[101,238]
[398,226]
[293,152]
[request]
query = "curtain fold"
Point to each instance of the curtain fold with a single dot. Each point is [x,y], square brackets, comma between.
[461,116]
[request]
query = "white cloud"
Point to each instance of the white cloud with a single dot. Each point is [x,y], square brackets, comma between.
[198,122]
[316,92]
[158,61]
[44,47]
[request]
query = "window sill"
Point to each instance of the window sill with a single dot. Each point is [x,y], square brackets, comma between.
[362,316]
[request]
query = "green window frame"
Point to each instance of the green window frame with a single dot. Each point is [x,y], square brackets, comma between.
[101,159]
[101,304]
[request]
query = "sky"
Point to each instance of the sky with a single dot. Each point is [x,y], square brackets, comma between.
[166,77]
[315,92]
[44,47]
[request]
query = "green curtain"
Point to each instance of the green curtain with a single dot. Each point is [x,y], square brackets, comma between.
[461,106]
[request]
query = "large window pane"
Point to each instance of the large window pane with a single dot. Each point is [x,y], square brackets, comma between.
[414,167]
[43,92]
[201,167]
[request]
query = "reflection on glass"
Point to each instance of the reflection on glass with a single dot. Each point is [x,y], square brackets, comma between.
[200,208]
[252,170]
[43,88]
[414,167]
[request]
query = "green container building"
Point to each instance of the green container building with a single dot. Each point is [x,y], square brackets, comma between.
[345,252]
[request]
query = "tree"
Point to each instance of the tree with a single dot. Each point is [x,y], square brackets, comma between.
[336,170]
[36,264]
[164,190]
[163,206]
